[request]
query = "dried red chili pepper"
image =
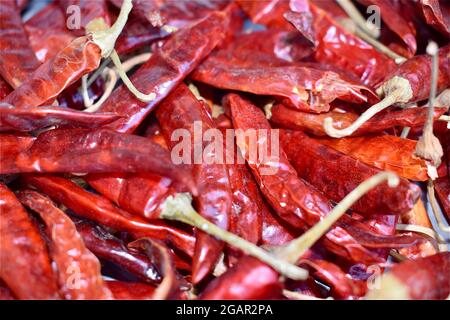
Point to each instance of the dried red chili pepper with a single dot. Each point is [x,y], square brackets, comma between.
[80,57]
[336,174]
[68,251]
[335,46]
[165,69]
[301,87]
[435,16]
[17,59]
[5,89]
[31,276]
[83,150]
[5,292]
[295,201]
[403,281]
[29,119]
[100,210]
[313,123]
[442,187]
[384,152]
[106,246]
[181,110]
[268,13]
[88,11]
[47,32]
[130,290]
[248,279]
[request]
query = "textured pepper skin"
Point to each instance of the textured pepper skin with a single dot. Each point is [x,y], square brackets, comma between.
[89,10]
[68,251]
[106,246]
[5,88]
[83,150]
[102,211]
[313,123]
[131,290]
[165,69]
[294,200]
[442,187]
[248,279]
[426,278]
[181,110]
[17,59]
[80,57]
[385,152]
[435,16]
[336,174]
[29,119]
[336,46]
[417,71]
[25,265]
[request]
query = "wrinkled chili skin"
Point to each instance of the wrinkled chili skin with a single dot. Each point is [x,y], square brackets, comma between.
[426,278]
[80,57]
[130,290]
[442,187]
[436,17]
[181,110]
[47,32]
[89,10]
[91,151]
[417,71]
[24,265]
[248,279]
[313,123]
[317,163]
[29,119]
[68,251]
[106,246]
[98,209]
[5,292]
[165,69]
[17,59]
[335,46]
[294,200]
[5,88]
[300,87]
[385,152]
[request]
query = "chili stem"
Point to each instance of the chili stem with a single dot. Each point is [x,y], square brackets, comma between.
[398,90]
[435,207]
[349,8]
[179,208]
[122,74]
[428,147]
[111,83]
[295,249]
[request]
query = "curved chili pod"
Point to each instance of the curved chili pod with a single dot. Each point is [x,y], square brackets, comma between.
[417,71]
[421,279]
[47,32]
[98,209]
[335,46]
[83,150]
[106,246]
[394,19]
[436,17]
[17,59]
[313,123]
[78,269]
[248,279]
[130,290]
[384,152]
[268,13]
[24,265]
[80,57]
[181,110]
[301,87]
[5,89]
[442,187]
[294,200]
[165,69]
[88,10]
[34,118]
[336,174]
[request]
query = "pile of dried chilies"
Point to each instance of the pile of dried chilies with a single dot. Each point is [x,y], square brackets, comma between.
[309,145]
